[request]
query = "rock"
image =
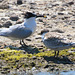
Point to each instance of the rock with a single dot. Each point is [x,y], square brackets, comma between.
[14,18]
[4,6]
[5,68]
[34,57]
[19,21]
[57,30]
[28,39]
[4,72]
[7,24]
[40,20]
[52,68]
[73,27]
[32,64]
[19,2]
[1,0]
[53,16]
[71,3]
[60,13]
[32,7]
[32,3]
[0,25]
[46,66]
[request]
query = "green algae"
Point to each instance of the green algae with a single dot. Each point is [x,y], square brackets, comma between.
[18,58]
[8,54]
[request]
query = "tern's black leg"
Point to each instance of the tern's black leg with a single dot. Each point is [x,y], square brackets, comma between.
[24,43]
[21,43]
[57,53]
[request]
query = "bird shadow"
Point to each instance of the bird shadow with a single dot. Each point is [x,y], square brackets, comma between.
[28,49]
[58,60]
[31,50]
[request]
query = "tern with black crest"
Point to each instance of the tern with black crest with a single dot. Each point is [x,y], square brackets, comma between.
[21,31]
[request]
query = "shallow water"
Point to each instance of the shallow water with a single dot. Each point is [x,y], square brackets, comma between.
[56,73]
[44,73]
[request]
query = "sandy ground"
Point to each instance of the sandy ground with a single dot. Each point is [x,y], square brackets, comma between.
[60,17]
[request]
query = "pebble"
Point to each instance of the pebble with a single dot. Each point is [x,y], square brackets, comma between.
[4,6]
[4,72]
[14,18]
[19,2]
[71,3]
[0,25]
[19,21]
[60,13]
[7,24]
[1,0]
[34,57]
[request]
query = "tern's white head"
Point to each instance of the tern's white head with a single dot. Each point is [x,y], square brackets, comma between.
[43,32]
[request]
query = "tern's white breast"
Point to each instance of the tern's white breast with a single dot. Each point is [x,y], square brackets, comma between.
[30,24]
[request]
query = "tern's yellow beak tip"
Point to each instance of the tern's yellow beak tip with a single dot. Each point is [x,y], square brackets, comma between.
[45,16]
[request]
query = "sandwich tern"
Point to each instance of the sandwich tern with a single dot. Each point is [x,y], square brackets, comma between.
[21,31]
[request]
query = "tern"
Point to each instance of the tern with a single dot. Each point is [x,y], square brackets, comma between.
[55,41]
[21,31]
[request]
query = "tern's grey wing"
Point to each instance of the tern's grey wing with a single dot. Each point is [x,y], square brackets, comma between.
[17,32]
[55,43]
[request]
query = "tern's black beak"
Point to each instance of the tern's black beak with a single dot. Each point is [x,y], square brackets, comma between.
[40,16]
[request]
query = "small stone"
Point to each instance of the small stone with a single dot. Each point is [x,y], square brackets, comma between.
[1,0]
[0,25]
[7,24]
[33,3]
[52,68]
[14,18]
[4,6]
[38,37]
[19,2]
[5,68]
[40,48]
[19,21]
[40,20]
[34,57]
[53,16]
[32,8]
[28,39]
[46,66]
[71,3]
[73,27]
[33,64]
[57,30]
[60,13]
[4,72]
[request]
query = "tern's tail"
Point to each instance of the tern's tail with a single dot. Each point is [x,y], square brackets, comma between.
[3,31]
[73,44]
[0,30]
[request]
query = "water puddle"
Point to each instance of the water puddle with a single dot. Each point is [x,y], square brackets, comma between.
[56,73]
[44,73]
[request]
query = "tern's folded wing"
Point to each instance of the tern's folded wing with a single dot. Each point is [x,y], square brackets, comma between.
[55,43]
[19,32]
